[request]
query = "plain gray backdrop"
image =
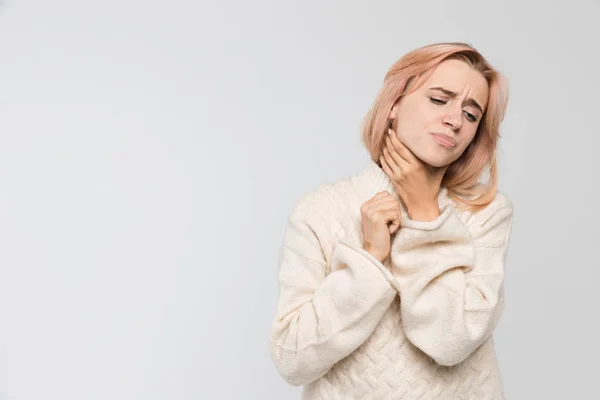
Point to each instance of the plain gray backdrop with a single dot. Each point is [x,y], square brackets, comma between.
[151,151]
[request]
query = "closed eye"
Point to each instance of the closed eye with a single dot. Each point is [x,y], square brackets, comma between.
[470,116]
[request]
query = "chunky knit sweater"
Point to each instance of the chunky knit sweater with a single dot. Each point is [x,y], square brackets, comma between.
[418,326]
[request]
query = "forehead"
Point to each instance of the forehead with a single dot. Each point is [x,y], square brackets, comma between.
[457,76]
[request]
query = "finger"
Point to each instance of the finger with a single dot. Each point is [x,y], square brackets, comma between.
[381,195]
[385,201]
[386,167]
[375,208]
[390,160]
[402,150]
[392,219]
[384,207]
[395,225]
[388,215]
[393,152]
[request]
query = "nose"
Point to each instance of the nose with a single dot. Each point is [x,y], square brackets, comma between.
[453,119]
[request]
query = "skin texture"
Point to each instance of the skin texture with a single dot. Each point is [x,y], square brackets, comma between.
[432,130]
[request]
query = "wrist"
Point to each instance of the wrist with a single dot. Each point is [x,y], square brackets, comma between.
[377,255]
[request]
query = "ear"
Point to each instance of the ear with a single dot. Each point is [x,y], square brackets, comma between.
[393,112]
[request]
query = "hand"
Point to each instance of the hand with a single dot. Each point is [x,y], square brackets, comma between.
[415,182]
[381,218]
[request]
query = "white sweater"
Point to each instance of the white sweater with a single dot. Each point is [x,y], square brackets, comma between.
[419,327]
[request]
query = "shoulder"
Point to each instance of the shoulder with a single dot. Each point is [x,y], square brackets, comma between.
[320,215]
[497,215]
[500,202]
[328,200]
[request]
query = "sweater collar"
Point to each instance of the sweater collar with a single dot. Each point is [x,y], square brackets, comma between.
[375,179]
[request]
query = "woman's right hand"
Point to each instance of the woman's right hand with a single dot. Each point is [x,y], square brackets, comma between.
[381,218]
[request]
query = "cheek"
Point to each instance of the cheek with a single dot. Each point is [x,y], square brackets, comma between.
[420,119]
[426,116]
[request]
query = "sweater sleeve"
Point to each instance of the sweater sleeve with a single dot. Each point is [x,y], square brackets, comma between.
[321,318]
[451,279]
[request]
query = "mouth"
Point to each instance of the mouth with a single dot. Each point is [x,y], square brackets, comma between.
[444,140]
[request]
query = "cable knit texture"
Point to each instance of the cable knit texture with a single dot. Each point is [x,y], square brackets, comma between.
[417,327]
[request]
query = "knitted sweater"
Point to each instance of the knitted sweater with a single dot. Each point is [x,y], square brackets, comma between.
[418,326]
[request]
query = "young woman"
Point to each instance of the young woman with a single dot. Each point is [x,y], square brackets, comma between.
[391,280]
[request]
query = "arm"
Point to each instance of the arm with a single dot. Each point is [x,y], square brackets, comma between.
[451,279]
[322,318]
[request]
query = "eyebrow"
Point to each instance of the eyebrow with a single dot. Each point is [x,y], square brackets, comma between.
[468,102]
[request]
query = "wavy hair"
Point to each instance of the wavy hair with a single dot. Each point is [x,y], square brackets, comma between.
[407,75]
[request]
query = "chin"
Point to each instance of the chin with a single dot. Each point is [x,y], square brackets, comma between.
[433,159]
[430,153]
[437,163]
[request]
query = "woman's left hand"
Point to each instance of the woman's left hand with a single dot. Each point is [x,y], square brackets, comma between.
[415,182]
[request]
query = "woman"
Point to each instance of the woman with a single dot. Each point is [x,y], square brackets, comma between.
[391,280]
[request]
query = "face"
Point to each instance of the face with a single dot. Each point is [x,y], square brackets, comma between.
[439,120]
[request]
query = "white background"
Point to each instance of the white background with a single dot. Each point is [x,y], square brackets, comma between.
[151,151]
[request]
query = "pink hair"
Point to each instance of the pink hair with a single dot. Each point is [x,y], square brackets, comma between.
[407,75]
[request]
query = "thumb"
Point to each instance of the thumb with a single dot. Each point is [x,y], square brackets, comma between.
[395,224]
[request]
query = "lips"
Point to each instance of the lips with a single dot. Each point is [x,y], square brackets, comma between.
[444,140]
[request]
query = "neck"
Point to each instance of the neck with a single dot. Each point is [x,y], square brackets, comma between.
[375,179]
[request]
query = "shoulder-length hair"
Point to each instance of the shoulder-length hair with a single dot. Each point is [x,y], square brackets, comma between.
[407,75]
